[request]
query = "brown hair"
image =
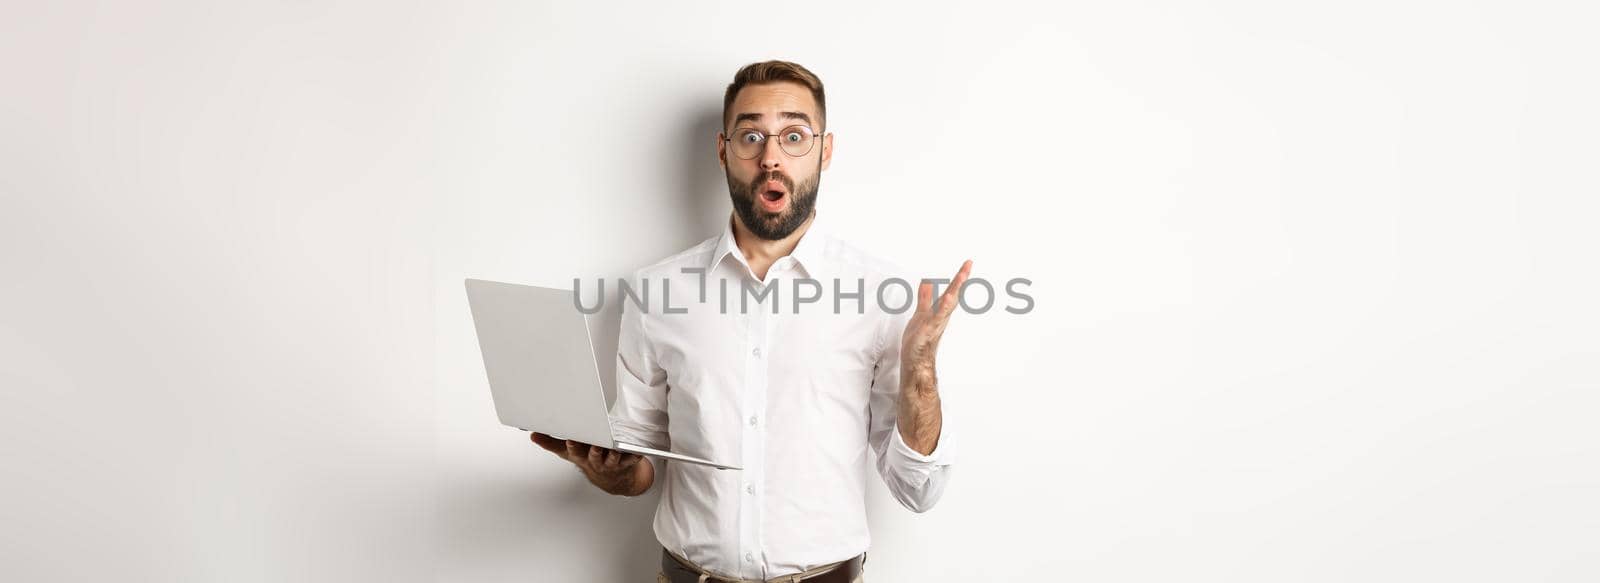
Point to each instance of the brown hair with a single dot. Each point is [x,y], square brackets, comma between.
[775,72]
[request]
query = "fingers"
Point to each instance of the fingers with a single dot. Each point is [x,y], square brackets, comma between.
[630,459]
[950,298]
[924,296]
[577,453]
[589,458]
[602,460]
[550,444]
[952,295]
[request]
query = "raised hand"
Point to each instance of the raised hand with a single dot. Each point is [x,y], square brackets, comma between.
[920,344]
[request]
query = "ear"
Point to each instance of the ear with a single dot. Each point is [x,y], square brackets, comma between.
[827,149]
[722,151]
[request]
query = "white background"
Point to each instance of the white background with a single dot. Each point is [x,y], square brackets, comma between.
[1314,284]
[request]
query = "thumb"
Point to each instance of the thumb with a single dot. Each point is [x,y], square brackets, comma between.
[550,444]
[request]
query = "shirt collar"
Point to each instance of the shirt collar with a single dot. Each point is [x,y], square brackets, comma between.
[808,252]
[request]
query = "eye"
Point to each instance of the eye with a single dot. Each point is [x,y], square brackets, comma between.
[750,137]
[794,137]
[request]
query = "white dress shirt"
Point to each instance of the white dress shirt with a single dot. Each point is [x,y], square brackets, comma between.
[795,399]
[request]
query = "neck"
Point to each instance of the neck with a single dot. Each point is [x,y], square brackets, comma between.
[760,253]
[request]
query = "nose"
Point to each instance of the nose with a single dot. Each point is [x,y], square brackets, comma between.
[771,155]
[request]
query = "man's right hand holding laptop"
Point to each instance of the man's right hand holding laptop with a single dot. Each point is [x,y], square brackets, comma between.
[616,472]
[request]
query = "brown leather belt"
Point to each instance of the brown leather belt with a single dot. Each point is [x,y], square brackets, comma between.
[680,571]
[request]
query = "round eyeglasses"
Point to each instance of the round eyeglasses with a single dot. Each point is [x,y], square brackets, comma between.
[747,143]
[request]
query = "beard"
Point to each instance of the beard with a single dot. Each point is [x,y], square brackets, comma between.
[769,225]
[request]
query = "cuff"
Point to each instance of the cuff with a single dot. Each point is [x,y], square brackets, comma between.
[943,454]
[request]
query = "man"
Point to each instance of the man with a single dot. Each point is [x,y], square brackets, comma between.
[794,396]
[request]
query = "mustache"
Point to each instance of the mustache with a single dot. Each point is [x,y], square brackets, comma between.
[761,180]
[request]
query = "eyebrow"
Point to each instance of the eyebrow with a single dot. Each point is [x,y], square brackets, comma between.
[800,115]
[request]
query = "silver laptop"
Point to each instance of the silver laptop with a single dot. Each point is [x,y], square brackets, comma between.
[539,353]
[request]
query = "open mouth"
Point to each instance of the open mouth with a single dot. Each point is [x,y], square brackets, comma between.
[775,195]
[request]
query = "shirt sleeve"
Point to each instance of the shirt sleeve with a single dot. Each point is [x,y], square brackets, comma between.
[916,481]
[639,414]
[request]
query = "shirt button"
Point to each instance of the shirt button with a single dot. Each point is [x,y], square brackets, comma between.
[752,420]
[749,557]
[756,351]
[750,488]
